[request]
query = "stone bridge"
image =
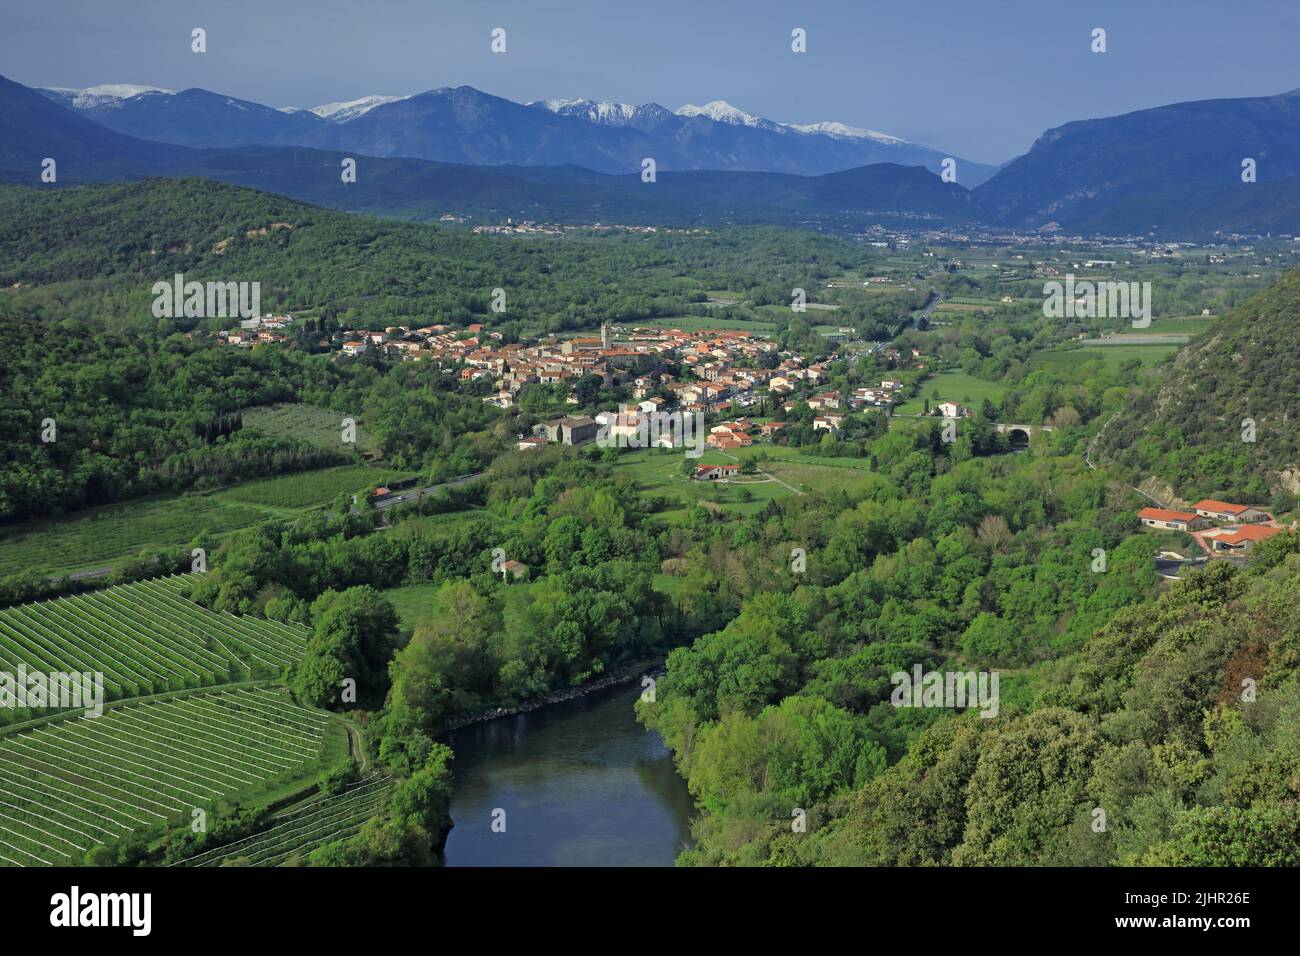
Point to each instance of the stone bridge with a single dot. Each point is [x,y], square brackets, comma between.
[1021,434]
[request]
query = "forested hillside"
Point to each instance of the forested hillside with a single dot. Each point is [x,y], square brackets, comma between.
[1189,428]
[1168,739]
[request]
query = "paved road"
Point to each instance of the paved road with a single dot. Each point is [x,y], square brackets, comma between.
[388,502]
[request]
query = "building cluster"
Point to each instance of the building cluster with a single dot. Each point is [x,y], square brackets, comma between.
[1222,527]
[258,330]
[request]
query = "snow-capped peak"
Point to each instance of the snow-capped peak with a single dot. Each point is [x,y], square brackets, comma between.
[720,111]
[106,94]
[351,109]
[841,131]
[604,113]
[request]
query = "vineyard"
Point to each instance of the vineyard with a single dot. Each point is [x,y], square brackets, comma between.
[69,785]
[145,638]
[293,835]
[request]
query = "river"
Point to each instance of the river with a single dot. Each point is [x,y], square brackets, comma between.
[581,784]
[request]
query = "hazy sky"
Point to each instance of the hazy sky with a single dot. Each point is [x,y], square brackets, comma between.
[979,78]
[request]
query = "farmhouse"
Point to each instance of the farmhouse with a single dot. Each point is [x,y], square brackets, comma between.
[953,410]
[1226,511]
[1165,519]
[713,472]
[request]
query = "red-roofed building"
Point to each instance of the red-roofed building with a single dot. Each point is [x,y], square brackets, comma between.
[713,472]
[1240,539]
[1168,520]
[1226,511]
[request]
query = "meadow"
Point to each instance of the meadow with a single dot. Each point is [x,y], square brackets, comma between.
[320,426]
[952,386]
[98,537]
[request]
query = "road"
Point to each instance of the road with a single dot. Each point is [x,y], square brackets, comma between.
[386,503]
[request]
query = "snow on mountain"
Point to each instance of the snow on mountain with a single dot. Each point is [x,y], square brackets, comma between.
[106,94]
[603,113]
[841,131]
[351,109]
[720,111]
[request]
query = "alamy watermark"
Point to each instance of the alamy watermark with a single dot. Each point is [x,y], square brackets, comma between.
[636,429]
[64,690]
[953,689]
[206,300]
[1098,300]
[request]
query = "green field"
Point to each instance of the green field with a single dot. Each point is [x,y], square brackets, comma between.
[311,489]
[953,386]
[145,638]
[293,835]
[657,473]
[412,601]
[100,536]
[72,784]
[322,427]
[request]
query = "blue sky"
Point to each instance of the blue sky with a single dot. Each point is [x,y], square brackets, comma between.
[979,79]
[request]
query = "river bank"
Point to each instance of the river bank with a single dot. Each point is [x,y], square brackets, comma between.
[620,675]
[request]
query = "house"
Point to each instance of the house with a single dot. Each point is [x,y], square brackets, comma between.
[353,348]
[714,472]
[953,410]
[1165,519]
[1241,539]
[569,430]
[768,429]
[516,569]
[1226,511]
[830,423]
[531,444]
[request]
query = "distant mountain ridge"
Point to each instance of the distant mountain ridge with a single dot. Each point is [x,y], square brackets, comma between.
[1160,169]
[465,125]
[34,126]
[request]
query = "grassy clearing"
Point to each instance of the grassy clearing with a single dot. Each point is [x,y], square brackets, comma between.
[413,602]
[953,386]
[659,473]
[322,427]
[100,537]
[312,489]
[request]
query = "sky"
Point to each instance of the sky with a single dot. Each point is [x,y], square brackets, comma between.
[981,80]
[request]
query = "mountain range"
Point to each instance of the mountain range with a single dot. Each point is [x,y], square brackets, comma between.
[464,125]
[1171,172]
[33,127]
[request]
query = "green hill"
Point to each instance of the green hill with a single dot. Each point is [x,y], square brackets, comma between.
[1186,428]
